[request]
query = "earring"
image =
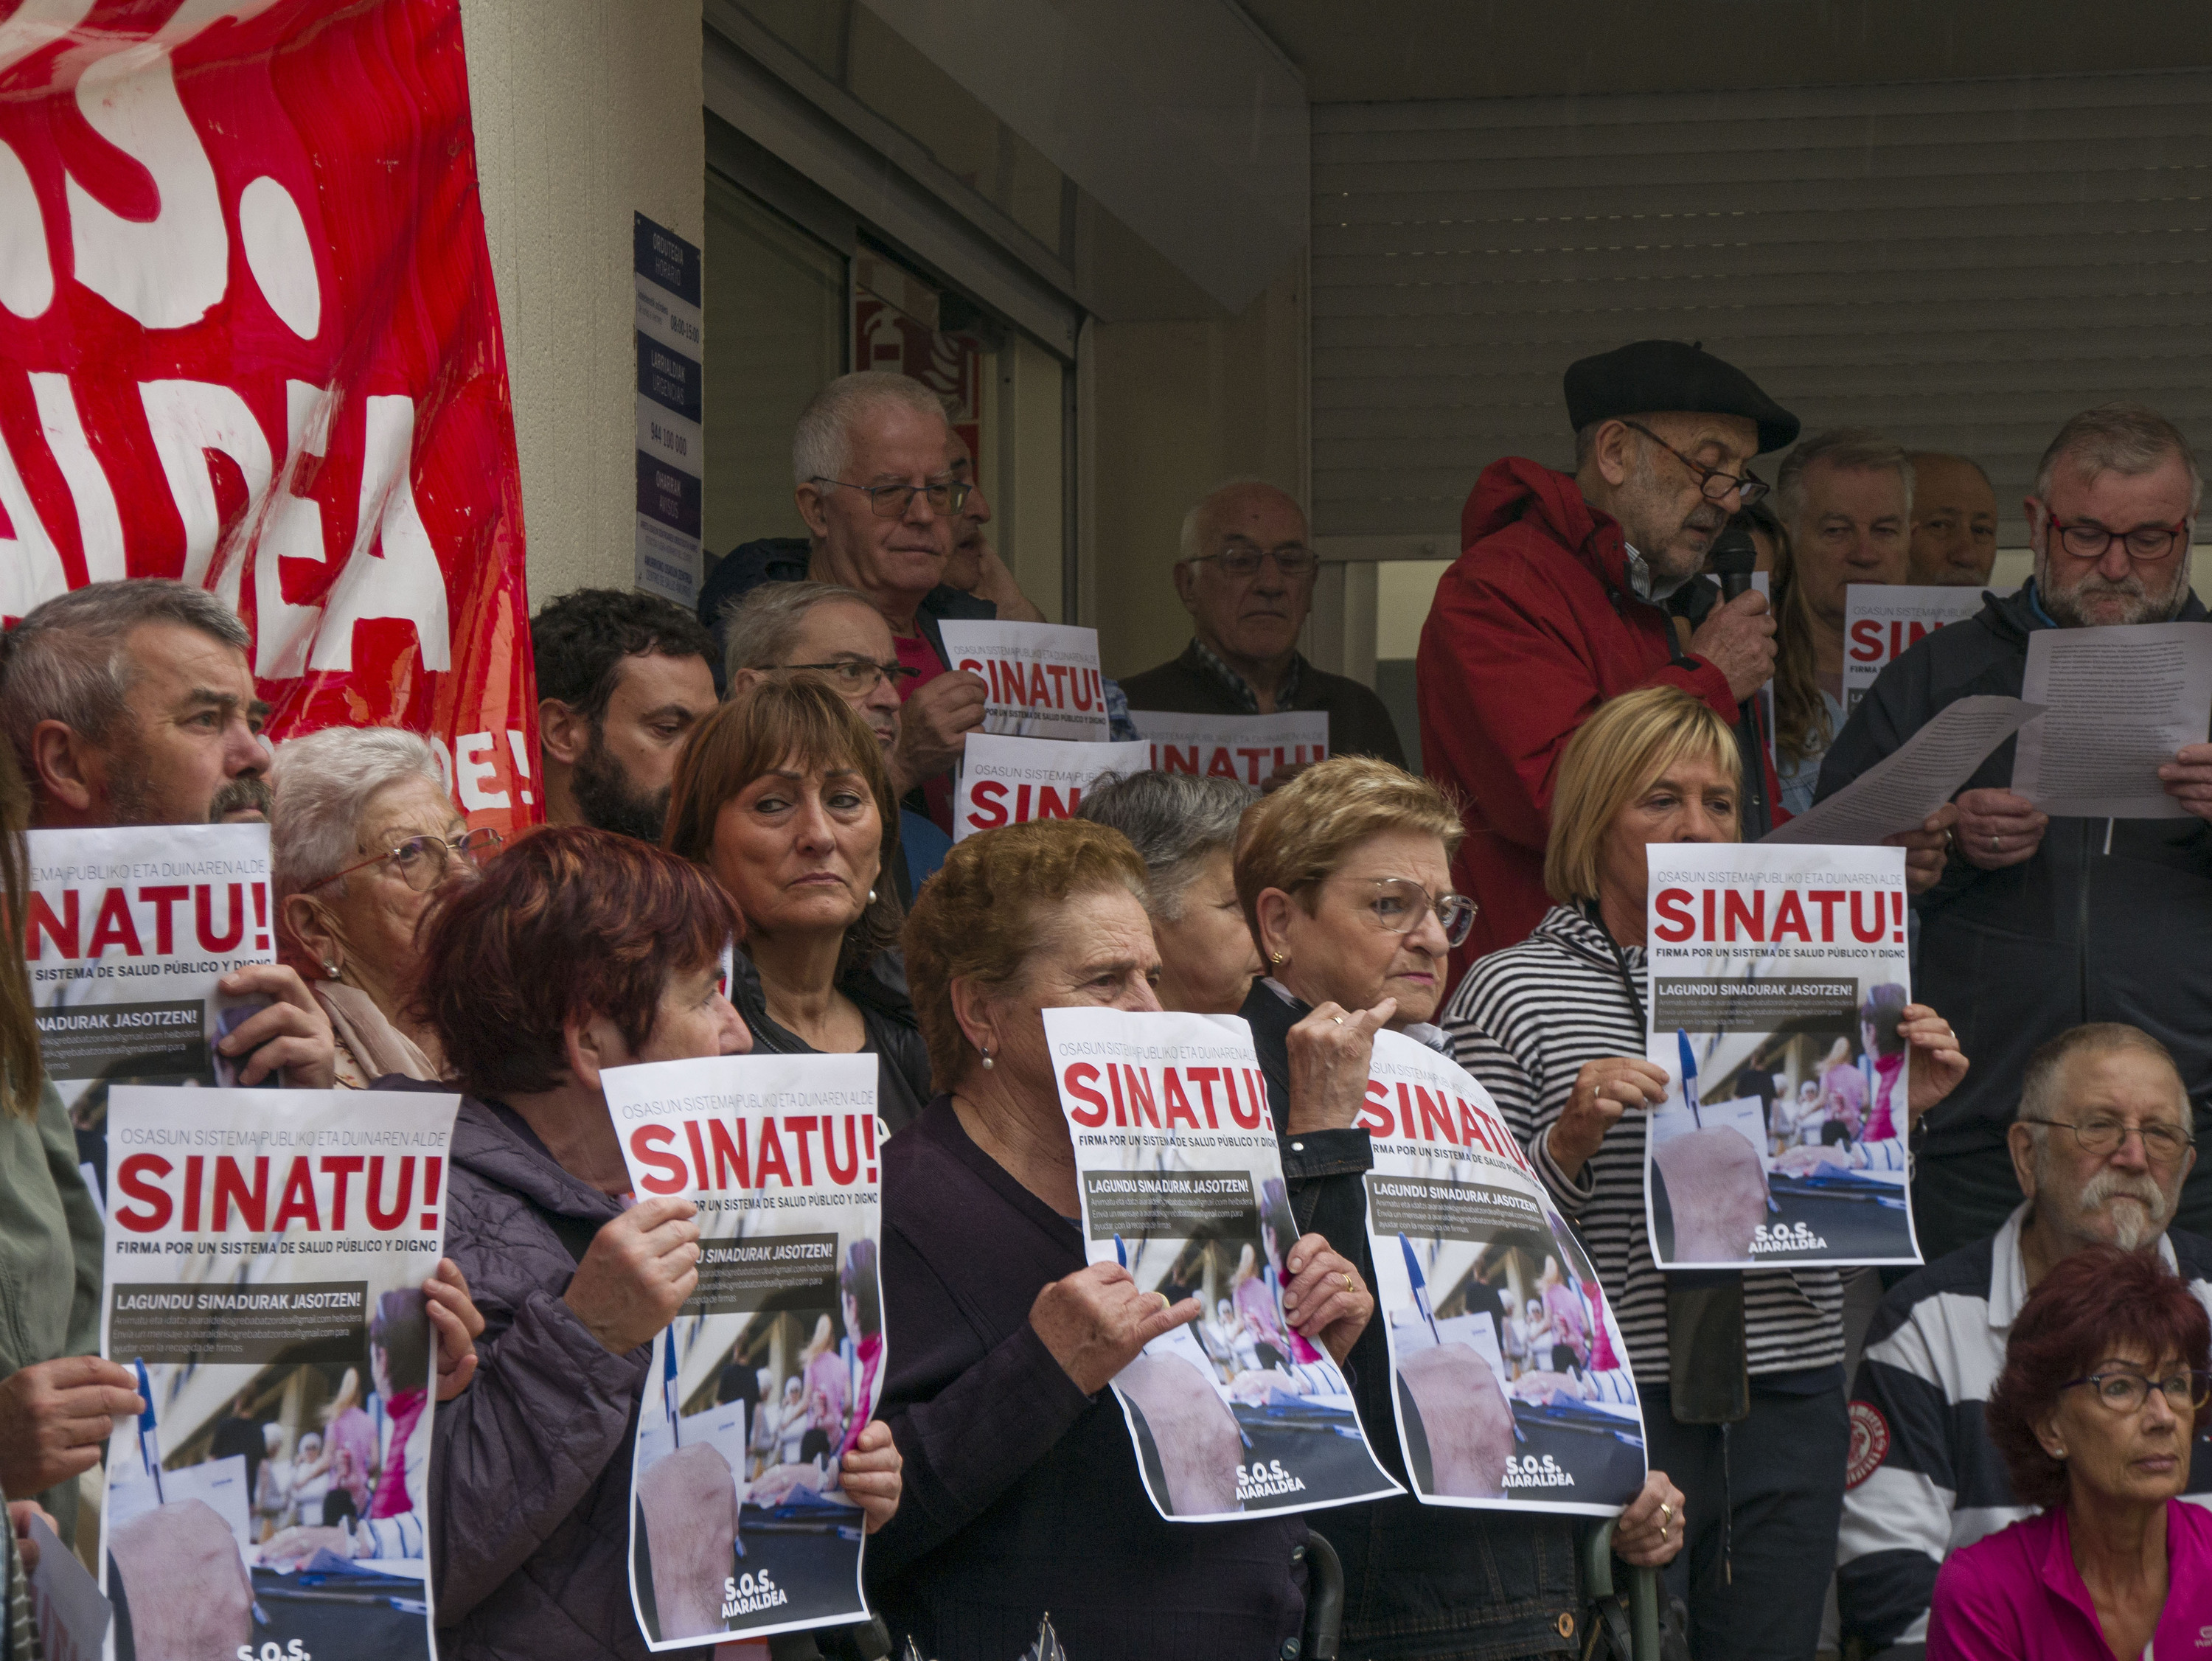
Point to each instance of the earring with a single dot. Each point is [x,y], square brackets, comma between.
[331,967]
[872,896]
[1274,957]
[986,1057]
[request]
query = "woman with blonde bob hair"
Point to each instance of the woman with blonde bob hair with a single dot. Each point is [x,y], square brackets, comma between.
[782,794]
[1005,1339]
[1554,1030]
[1345,874]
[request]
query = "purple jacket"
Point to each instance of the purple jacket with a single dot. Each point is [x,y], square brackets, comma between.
[2016,1596]
[529,1465]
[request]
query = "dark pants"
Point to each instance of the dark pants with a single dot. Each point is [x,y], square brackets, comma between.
[1785,1495]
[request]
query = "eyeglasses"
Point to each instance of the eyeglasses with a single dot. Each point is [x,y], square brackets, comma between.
[2126,1392]
[857,676]
[1711,480]
[1243,559]
[424,862]
[1400,903]
[892,501]
[2147,544]
[2162,1143]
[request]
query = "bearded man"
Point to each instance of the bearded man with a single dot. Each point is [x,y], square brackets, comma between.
[2042,924]
[2101,1147]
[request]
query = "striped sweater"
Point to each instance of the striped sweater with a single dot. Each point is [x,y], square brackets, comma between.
[1924,1479]
[1523,1021]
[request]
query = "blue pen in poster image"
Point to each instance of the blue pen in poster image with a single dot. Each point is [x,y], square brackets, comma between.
[1512,1386]
[1237,1412]
[1777,978]
[765,1381]
[265,1255]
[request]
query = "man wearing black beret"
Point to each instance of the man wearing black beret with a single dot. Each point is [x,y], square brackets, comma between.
[1567,593]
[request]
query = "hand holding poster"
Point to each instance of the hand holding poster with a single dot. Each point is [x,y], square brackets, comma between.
[1883,621]
[1237,1412]
[1514,1389]
[738,1527]
[1044,678]
[265,1258]
[1012,781]
[127,933]
[1777,975]
[1249,749]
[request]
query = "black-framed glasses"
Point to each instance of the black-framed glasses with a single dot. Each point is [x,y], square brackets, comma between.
[2162,1144]
[857,676]
[1400,903]
[423,862]
[1711,480]
[2147,544]
[892,501]
[1242,559]
[2126,1392]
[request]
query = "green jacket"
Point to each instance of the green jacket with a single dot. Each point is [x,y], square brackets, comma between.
[49,1256]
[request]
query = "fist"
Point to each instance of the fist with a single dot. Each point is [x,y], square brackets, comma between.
[1716,1190]
[933,727]
[1996,829]
[1738,639]
[1330,1052]
[1095,1320]
[637,1273]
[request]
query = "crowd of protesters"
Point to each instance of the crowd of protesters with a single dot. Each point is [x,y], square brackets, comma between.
[773,775]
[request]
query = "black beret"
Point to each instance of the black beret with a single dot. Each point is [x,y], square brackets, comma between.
[1650,376]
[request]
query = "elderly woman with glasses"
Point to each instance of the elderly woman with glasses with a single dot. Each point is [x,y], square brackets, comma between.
[362,837]
[1554,1030]
[1344,876]
[2106,1373]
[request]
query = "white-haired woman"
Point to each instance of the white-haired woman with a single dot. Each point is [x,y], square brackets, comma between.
[362,837]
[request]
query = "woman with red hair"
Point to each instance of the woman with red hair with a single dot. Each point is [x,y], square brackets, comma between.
[2107,1371]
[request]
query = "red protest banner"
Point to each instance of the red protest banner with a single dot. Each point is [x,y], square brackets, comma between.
[248,338]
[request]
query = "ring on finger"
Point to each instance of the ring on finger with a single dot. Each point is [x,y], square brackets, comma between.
[1339,1020]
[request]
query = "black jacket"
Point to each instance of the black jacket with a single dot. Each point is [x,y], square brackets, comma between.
[1358,723]
[1419,1581]
[785,559]
[2107,922]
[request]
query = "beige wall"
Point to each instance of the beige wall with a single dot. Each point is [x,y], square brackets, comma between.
[1173,409]
[586,111]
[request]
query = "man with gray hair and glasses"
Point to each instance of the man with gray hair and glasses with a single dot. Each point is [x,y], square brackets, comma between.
[2100,1149]
[1247,579]
[2039,923]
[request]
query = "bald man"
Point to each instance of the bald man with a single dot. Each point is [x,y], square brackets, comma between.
[1247,579]
[1955,522]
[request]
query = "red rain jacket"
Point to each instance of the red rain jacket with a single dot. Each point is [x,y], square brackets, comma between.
[1533,628]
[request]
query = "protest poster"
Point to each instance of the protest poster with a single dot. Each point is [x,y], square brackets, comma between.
[1249,749]
[266,1251]
[125,933]
[1012,781]
[738,1524]
[1778,974]
[249,339]
[1235,1414]
[1513,1386]
[1042,678]
[1883,621]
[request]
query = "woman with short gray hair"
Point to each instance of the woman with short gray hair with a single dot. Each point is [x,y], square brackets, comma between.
[1184,828]
[362,837]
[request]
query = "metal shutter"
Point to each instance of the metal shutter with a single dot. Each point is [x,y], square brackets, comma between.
[1962,264]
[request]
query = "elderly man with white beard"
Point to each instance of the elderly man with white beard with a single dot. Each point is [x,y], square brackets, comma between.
[2100,1145]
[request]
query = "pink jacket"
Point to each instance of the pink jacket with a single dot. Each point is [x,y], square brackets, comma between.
[2016,1596]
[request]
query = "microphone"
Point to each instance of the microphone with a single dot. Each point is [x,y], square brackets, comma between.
[1732,555]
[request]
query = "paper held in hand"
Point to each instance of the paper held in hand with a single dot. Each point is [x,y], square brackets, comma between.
[1498,1408]
[1902,790]
[1012,781]
[1883,621]
[1776,979]
[739,1522]
[265,1255]
[1249,749]
[1237,1412]
[1042,678]
[2121,700]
